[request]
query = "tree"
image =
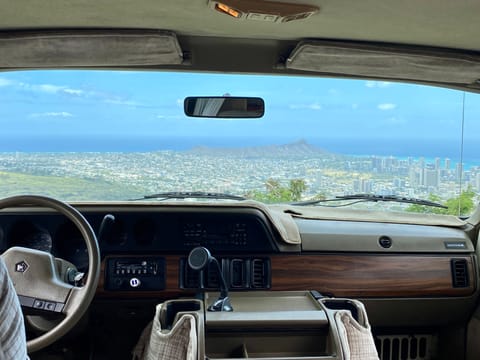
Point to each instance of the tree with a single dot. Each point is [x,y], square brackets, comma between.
[297,187]
[272,184]
[461,205]
[275,192]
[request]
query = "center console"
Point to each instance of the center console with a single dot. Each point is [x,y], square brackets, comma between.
[269,325]
[265,325]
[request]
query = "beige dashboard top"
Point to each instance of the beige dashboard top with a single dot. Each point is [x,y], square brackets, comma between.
[282,216]
[319,213]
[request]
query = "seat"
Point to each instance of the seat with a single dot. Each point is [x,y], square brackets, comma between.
[13,343]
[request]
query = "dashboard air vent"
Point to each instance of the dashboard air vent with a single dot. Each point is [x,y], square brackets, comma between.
[260,273]
[460,278]
[408,347]
[238,273]
[191,277]
[212,276]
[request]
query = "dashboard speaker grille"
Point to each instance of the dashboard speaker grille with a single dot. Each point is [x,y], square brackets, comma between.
[406,347]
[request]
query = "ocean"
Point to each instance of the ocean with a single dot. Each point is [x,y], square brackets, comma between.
[402,148]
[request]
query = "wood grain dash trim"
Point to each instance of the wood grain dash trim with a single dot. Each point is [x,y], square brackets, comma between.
[348,275]
[369,275]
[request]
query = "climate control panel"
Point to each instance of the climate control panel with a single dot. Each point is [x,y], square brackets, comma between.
[135,274]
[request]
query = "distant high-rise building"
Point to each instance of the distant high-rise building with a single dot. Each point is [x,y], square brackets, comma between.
[437,163]
[367,186]
[391,161]
[447,163]
[421,162]
[377,164]
[431,178]
[356,186]
[362,185]
[458,171]
[399,183]
[414,176]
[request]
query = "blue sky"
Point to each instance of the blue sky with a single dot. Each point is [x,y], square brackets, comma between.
[125,104]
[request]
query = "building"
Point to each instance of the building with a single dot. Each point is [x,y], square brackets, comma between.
[431,178]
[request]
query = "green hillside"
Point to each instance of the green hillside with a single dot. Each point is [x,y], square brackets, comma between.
[64,188]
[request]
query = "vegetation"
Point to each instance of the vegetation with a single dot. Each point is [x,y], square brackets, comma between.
[275,192]
[461,205]
[71,189]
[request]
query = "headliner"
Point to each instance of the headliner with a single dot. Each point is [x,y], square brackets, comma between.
[439,23]
[215,42]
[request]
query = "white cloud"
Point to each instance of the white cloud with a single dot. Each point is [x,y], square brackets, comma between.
[170,117]
[63,114]
[122,102]
[5,82]
[313,106]
[49,88]
[386,106]
[377,84]
[395,121]
[73,92]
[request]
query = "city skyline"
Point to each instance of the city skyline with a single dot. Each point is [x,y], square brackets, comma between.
[324,173]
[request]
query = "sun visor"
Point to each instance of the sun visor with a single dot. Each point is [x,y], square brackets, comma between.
[390,62]
[88,48]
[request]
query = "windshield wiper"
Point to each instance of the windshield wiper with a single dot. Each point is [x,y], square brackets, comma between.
[374,198]
[190,195]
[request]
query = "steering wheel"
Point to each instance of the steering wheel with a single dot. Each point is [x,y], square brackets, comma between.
[36,277]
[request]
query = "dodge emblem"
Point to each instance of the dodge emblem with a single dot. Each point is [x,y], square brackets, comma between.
[21,266]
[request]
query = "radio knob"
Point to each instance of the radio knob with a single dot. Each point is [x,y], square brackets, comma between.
[134,282]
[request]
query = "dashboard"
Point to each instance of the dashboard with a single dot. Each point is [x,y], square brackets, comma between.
[140,232]
[422,278]
[137,244]
[144,250]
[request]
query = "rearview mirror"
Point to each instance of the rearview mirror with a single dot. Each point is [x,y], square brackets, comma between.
[224,107]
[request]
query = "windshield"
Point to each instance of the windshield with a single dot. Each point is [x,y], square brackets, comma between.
[112,135]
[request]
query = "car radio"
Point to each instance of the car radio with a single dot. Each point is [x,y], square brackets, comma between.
[135,273]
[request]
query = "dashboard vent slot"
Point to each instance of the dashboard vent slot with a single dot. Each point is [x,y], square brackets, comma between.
[460,278]
[260,271]
[238,273]
[191,277]
[241,273]
[212,278]
[406,347]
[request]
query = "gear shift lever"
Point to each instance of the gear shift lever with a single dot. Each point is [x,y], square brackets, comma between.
[198,259]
